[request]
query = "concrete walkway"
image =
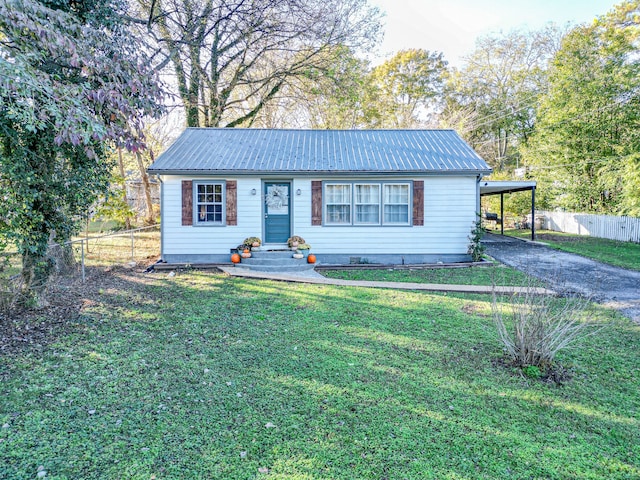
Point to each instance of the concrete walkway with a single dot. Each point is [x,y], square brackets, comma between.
[611,286]
[314,277]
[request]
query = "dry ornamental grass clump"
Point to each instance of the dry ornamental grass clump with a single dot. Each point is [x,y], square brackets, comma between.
[534,327]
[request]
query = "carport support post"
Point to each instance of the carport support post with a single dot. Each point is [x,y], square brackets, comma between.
[501,213]
[533,213]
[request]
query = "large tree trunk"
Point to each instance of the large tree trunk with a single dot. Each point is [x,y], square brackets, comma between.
[36,269]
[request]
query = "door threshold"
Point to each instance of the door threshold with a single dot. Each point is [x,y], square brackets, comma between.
[274,246]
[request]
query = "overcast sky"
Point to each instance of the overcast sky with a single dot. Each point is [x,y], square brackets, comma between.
[452,26]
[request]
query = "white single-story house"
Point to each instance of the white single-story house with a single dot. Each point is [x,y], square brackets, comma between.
[369,196]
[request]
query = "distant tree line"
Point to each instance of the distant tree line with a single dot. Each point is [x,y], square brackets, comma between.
[79,80]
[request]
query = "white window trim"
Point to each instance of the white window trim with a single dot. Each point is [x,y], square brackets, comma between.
[381,222]
[355,204]
[408,204]
[327,204]
[200,223]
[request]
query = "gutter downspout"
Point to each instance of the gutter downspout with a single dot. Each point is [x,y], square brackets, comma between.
[533,213]
[159,178]
[478,194]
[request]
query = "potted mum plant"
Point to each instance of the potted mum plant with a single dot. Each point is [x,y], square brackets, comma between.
[253,242]
[294,242]
[304,248]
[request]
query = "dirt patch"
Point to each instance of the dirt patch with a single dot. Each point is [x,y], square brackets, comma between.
[471,309]
[555,374]
[34,328]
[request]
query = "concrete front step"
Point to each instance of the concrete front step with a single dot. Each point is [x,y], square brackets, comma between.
[275,261]
[302,267]
[271,253]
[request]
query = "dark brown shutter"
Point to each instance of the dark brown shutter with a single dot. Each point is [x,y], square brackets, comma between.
[418,203]
[187,202]
[316,202]
[232,202]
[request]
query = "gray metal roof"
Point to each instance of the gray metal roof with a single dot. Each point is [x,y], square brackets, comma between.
[253,151]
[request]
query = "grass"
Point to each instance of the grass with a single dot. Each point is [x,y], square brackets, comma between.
[613,252]
[205,376]
[485,275]
[117,248]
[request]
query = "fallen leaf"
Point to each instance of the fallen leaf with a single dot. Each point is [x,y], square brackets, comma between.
[263,470]
[270,425]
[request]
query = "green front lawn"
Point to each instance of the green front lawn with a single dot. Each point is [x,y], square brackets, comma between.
[477,275]
[613,252]
[205,376]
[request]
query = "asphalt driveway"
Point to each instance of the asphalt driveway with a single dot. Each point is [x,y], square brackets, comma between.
[611,286]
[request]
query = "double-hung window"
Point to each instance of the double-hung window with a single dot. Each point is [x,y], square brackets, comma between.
[367,203]
[396,203]
[209,203]
[338,203]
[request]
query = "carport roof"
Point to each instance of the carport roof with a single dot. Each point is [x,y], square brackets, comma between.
[498,187]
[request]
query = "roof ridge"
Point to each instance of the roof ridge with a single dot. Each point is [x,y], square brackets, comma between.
[245,129]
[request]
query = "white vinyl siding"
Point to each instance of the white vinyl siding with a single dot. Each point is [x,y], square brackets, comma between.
[449,205]
[449,213]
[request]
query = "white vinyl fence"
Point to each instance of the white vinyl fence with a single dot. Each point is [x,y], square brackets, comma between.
[626,229]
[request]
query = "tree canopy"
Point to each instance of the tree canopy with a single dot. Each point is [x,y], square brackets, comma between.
[491,99]
[232,58]
[587,142]
[72,82]
[405,91]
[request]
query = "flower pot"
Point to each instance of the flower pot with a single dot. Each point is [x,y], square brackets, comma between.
[294,245]
[246,255]
[305,252]
[298,255]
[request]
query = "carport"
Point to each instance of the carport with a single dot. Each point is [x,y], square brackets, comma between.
[501,187]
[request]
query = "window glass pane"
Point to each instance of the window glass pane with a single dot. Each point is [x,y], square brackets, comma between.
[367,193]
[396,214]
[338,193]
[214,213]
[367,214]
[338,214]
[396,194]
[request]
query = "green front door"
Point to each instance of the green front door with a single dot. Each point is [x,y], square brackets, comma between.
[277,212]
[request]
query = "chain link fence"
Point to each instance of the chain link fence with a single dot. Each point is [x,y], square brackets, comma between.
[126,247]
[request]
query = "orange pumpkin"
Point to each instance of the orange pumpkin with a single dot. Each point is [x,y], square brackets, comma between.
[311,258]
[235,258]
[246,250]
